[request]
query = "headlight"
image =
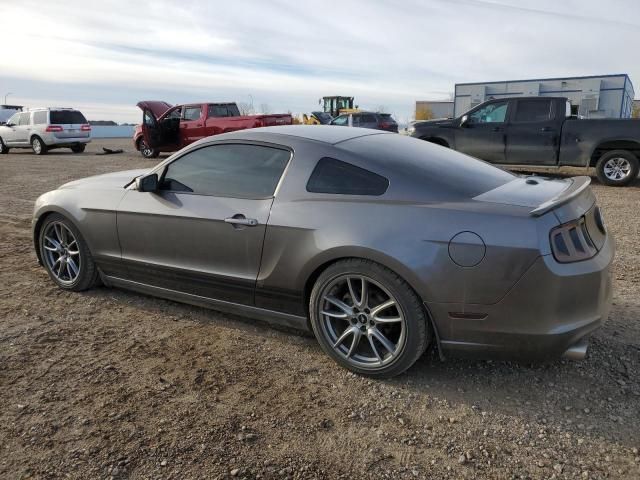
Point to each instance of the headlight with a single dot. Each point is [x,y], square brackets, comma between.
[411,129]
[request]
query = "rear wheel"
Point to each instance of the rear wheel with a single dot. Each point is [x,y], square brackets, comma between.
[617,168]
[3,147]
[147,151]
[368,319]
[66,255]
[38,146]
[78,148]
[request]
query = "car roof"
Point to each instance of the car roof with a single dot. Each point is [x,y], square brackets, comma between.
[319,133]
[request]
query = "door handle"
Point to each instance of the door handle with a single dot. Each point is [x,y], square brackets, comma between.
[496,129]
[546,129]
[198,124]
[241,220]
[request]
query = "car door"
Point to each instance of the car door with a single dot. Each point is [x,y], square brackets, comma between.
[192,124]
[368,120]
[482,135]
[162,133]
[23,129]
[10,130]
[202,231]
[533,132]
[160,124]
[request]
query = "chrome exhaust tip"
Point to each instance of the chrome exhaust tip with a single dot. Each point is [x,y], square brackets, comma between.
[577,351]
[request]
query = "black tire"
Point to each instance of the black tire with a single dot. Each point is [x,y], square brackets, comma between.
[607,172]
[38,146]
[88,275]
[409,346]
[3,148]
[147,152]
[78,148]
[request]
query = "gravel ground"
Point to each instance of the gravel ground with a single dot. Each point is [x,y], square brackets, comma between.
[110,384]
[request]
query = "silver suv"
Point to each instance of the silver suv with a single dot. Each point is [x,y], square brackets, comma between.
[45,128]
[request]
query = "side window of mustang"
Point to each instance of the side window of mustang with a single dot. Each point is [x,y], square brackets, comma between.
[231,170]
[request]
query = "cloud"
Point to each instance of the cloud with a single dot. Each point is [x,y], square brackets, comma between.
[288,54]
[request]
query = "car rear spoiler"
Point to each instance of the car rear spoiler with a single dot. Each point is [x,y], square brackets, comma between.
[578,185]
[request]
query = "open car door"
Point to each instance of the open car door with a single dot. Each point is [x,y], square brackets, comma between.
[160,124]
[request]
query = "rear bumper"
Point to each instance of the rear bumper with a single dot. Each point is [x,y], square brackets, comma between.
[552,308]
[53,141]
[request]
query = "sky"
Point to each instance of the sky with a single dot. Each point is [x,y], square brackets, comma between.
[104,56]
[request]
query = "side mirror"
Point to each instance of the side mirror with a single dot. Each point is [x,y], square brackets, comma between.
[147,183]
[464,121]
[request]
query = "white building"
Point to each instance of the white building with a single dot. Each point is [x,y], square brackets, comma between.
[604,96]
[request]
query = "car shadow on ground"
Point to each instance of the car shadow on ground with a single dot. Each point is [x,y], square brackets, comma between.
[598,397]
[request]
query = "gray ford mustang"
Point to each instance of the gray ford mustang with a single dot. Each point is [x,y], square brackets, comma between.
[378,243]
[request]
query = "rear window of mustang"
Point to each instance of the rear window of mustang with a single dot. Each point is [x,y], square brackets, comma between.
[342,178]
[66,117]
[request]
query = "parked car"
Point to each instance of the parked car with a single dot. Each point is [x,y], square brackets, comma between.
[43,129]
[539,132]
[167,128]
[7,111]
[359,236]
[375,120]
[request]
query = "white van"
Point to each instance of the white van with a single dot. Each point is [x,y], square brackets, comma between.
[42,129]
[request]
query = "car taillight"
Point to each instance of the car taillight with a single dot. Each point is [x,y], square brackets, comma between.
[385,124]
[85,128]
[53,128]
[571,242]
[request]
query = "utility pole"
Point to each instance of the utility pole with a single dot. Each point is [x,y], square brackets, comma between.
[5,97]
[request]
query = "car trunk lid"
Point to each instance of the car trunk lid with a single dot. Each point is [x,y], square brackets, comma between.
[567,198]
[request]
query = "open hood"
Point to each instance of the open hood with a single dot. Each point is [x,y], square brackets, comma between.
[157,107]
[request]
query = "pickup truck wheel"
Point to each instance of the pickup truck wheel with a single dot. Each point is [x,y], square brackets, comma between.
[617,168]
[146,151]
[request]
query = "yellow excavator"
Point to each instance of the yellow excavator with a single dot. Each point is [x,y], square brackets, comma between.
[331,108]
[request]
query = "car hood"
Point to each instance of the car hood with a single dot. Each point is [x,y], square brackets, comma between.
[107,180]
[157,107]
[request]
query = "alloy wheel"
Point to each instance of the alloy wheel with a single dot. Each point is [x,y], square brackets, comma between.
[61,252]
[145,149]
[617,168]
[37,146]
[362,321]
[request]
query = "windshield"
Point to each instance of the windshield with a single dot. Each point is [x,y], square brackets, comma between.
[323,117]
[66,116]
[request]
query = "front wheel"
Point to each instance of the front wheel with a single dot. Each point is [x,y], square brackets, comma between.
[65,255]
[147,151]
[3,148]
[78,148]
[38,146]
[617,168]
[368,319]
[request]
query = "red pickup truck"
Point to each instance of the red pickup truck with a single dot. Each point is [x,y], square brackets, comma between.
[167,128]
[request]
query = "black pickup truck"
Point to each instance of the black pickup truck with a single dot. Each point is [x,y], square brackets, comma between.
[540,132]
